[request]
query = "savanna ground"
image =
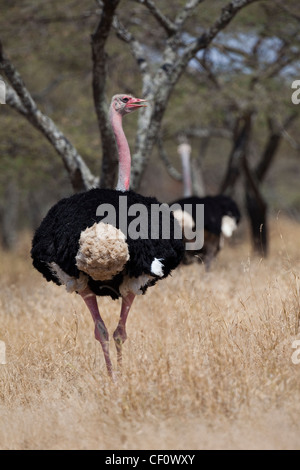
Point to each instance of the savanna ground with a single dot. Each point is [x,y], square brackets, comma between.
[207,364]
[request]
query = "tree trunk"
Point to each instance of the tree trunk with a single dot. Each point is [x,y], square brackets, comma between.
[257,212]
[109,170]
[256,206]
[239,149]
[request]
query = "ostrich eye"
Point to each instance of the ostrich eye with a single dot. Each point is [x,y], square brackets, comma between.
[125,100]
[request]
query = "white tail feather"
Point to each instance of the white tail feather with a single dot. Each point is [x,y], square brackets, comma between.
[157,267]
[228,226]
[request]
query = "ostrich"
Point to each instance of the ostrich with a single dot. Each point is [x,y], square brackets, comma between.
[221,214]
[75,247]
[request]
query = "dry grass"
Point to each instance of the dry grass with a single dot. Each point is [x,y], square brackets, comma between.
[207,364]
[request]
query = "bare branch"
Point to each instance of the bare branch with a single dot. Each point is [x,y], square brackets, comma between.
[187,11]
[17,83]
[210,75]
[287,10]
[135,46]
[283,58]
[33,18]
[21,100]
[13,100]
[293,143]
[171,27]
[277,67]
[203,133]
[51,86]
[203,41]
[165,22]
[224,48]
[272,145]
[240,146]
[175,174]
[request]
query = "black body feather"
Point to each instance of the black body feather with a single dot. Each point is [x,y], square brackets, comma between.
[57,239]
[215,208]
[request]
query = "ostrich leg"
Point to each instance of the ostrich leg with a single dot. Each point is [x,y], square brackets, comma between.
[120,332]
[101,333]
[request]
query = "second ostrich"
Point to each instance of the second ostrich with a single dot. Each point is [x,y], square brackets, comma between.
[221,214]
[76,247]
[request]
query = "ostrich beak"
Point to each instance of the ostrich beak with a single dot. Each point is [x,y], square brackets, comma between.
[137,103]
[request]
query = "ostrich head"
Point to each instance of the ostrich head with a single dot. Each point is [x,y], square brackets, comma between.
[124,104]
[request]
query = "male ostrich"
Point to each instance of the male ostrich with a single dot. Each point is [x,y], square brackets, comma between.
[73,247]
[221,214]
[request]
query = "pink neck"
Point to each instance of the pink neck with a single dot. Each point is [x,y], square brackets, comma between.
[123,150]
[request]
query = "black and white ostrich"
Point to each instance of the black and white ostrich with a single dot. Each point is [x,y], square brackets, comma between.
[221,214]
[73,247]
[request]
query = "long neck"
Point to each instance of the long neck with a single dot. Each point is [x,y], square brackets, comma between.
[123,151]
[186,170]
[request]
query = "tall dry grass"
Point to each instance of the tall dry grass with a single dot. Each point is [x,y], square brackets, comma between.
[207,363]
